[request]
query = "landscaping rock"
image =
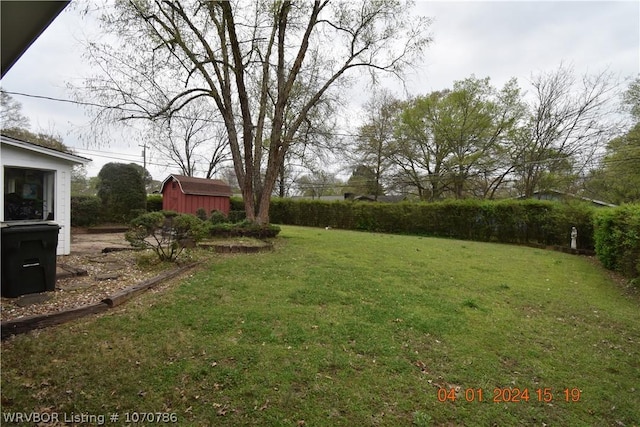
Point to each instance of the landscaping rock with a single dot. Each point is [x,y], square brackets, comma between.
[107,276]
[75,286]
[64,271]
[31,299]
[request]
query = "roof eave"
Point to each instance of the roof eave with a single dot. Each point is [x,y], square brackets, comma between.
[44,150]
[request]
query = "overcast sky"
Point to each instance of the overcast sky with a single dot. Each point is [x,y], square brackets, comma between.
[499,40]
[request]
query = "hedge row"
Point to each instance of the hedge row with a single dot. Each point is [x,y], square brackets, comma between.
[614,233]
[88,210]
[617,239]
[529,221]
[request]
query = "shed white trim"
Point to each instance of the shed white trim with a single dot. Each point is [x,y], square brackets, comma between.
[56,167]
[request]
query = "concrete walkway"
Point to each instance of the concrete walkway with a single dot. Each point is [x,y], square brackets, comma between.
[87,244]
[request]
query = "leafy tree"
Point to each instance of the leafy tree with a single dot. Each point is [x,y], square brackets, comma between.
[121,190]
[631,99]
[417,152]
[375,139]
[618,179]
[473,120]
[264,66]
[318,184]
[363,181]
[455,140]
[42,139]
[80,184]
[16,125]
[146,177]
[11,113]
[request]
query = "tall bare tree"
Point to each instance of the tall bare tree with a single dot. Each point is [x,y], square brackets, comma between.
[193,140]
[247,59]
[569,119]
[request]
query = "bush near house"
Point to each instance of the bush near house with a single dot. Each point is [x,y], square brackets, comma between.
[617,239]
[509,221]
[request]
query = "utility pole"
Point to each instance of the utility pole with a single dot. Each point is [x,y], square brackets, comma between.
[144,166]
[144,155]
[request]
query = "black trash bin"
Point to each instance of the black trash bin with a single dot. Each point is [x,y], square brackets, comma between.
[28,258]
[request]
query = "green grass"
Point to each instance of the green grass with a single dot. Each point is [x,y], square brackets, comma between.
[347,328]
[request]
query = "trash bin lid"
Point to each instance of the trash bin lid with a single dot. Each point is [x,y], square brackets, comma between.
[28,226]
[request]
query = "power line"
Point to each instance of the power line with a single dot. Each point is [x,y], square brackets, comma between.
[68,101]
[598,158]
[114,156]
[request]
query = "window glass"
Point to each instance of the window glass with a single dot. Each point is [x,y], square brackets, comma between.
[28,194]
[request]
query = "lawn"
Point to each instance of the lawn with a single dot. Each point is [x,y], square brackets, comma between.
[340,328]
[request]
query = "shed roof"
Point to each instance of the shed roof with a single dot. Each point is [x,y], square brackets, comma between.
[199,186]
[13,142]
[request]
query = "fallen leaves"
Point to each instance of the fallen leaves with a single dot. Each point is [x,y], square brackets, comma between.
[423,367]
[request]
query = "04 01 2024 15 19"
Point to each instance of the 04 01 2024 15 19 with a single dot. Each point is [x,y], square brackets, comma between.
[506,395]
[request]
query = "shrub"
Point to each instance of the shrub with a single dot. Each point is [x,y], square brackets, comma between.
[244,229]
[236,203]
[617,239]
[121,189]
[85,211]
[201,214]
[165,232]
[237,216]
[154,202]
[217,217]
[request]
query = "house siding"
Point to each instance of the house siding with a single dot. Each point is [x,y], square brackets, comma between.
[18,157]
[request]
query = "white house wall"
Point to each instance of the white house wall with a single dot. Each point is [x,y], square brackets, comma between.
[15,157]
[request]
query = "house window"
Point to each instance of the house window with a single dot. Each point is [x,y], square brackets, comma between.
[28,194]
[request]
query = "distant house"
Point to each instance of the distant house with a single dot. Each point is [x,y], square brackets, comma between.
[561,196]
[371,198]
[36,185]
[185,194]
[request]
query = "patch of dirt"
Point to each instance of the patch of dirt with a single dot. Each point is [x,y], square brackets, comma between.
[107,273]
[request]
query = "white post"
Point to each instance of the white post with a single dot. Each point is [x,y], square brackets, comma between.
[574,238]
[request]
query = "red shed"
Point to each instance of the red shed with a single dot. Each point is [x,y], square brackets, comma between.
[185,194]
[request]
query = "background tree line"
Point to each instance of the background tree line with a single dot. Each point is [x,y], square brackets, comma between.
[478,141]
[251,92]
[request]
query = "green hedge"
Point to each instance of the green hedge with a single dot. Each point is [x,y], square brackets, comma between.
[244,229]
[510,221]
[86,211]
[617,239]
[154,202]
[236,204]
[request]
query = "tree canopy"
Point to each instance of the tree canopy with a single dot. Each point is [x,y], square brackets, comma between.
[264,67]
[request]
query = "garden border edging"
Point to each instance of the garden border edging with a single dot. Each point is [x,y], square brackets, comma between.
[30,323]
